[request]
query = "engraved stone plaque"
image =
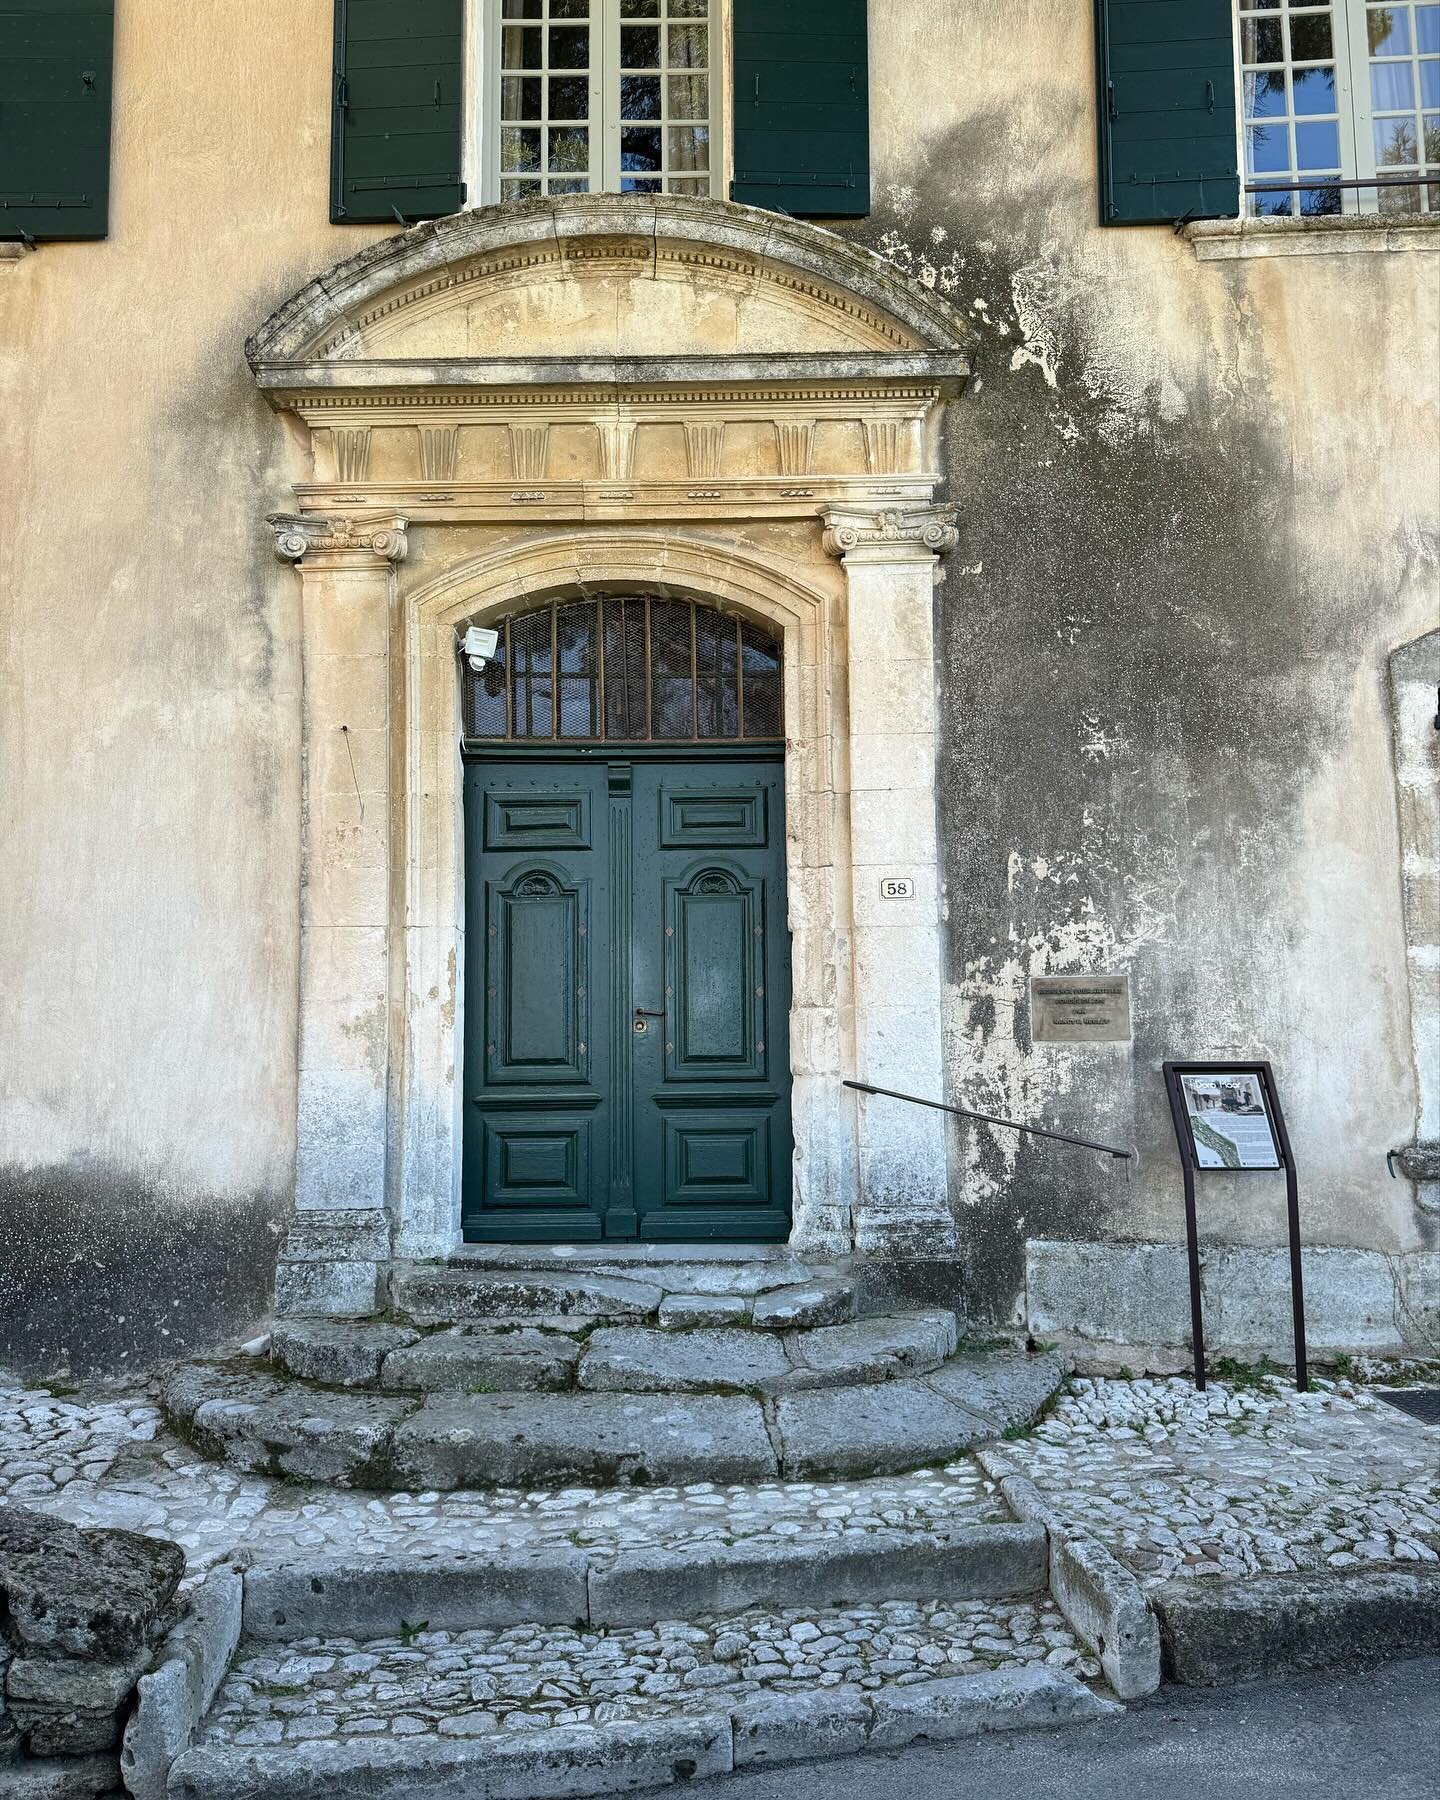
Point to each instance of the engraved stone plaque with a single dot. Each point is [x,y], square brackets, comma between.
[1080,1009]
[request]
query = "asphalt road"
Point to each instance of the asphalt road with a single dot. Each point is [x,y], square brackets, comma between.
[1373,1735]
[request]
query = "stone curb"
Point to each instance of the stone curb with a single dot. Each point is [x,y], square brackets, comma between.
[369,1598]
[175,1696]
[568,1762]
[1218,1632]
[1099,1596]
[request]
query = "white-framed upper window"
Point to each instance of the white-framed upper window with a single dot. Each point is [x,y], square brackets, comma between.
[1340,93]
[591,96]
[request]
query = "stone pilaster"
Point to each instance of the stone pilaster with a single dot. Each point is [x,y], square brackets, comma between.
[339,1237]
[889,555]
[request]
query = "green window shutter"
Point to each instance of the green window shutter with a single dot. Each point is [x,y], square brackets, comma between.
[56,58]
[801,107]
[1167,111]
[396,130]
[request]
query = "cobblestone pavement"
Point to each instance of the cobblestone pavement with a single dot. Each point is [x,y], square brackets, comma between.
[115,1464]
[1238,1481]
[472,1683]
[1235,1481]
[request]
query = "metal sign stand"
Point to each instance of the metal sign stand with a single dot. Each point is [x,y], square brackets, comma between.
[1190,1165]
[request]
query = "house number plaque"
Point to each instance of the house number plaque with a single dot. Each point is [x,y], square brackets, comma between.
[897,887]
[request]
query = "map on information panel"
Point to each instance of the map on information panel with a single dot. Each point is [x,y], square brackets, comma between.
[1229,1121]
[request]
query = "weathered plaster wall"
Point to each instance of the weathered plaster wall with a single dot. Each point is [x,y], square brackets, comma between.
[148,713]
[1198,509]
[1198,504]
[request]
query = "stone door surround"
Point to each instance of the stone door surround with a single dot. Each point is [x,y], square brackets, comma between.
[585,395]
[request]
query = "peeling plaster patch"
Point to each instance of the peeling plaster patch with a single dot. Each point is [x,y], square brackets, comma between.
[904,202]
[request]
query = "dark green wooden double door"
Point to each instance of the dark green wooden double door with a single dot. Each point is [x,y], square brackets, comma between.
[627,990]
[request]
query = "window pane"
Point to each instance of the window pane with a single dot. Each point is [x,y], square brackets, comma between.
[1271,206]
[639,9]
[520,97]
[687,147]
[689,96]
[569,97]
[569,184]
[687,184]
[1389,29]
[1317,146]
[640,149]
[569,46]
[1399,200]
[639,47]
[1427,28]
[639,96]
[569,9]
[641,184]
[1261,41]
[1391,87]
[687,46]
[1394,142]
[519,149]
[1432,138]
[522,9]
[689,9]
[1314,91]
[569,148]
[1430,84]
[519,190]
[1310,37]
[1320,202]
[519,47]
[1265,95]
[761,666]
[1267,150]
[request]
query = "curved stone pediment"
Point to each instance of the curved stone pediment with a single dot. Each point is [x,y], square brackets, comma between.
[606,275]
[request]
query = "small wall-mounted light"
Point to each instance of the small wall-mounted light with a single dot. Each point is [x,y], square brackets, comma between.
[478,646]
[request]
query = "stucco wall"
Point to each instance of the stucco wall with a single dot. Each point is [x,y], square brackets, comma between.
[149,715]
[1198,509]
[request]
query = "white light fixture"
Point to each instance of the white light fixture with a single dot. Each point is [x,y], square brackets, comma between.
[478,646]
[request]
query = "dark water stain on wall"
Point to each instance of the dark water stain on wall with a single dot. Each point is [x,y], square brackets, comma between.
[104,1272]
[1131,666]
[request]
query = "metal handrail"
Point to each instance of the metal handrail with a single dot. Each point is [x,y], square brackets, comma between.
[964,1112]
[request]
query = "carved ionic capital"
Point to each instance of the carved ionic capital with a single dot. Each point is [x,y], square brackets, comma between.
[379,535]
[903,528]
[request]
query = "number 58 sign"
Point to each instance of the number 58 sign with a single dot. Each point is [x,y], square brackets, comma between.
[897,887]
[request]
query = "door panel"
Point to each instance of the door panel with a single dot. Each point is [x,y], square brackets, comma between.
[714,957]
[536,1053]
[537,998]
[711,949]
[627,1000]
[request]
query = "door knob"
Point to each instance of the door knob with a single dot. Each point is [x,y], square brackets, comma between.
[640,1013]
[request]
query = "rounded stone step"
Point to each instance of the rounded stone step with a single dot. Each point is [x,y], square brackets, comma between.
[643,1360]
[451,1293]
[557,1440]
[336,1352]
[469,1362]
[253,1418]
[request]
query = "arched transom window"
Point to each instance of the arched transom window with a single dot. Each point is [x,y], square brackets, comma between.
[627,669]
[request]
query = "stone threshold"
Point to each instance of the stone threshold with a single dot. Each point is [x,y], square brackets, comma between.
[632,1255]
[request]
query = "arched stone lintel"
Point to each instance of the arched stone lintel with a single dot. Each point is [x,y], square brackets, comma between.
[818,268]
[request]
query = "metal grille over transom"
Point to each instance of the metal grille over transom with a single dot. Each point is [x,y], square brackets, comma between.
[629,669]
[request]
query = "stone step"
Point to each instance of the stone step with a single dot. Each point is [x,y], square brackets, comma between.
[524,1711]
[445,1293]
[258,1421]
[774,1294]
[636,1359]
[641,1360]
